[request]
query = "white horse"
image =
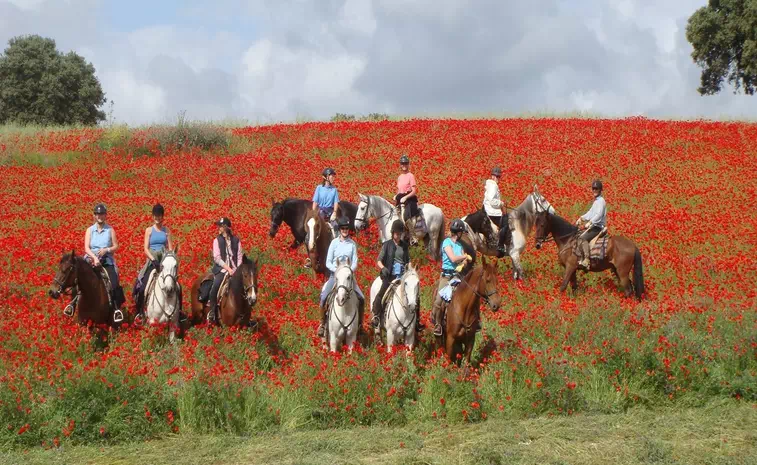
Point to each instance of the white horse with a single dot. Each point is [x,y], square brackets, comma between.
[164,299]
[373,206]
[343,315]
[400,312]
[521,220]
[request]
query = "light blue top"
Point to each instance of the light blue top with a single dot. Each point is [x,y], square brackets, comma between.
[158,239]
[598,213]
[457,248]
[100,240]
[397,269]
[341,248]
[326,196]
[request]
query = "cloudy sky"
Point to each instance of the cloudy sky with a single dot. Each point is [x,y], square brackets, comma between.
[274,60]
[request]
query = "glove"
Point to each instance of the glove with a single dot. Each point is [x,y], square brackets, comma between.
[459,268]
[468,258]
[385,272]
[155,265]
[333,216]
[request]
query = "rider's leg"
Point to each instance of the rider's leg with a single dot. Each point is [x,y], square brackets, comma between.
[116,293]
[584,240]
[378,309]
[418,325]
[325,291]
[436,312]
[213,311]
[360,309]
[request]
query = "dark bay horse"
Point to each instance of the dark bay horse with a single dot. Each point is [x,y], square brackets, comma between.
[482,234]
[235,306]
[292,212]
[463,313]
[319,237]
[621,254]
[93,305]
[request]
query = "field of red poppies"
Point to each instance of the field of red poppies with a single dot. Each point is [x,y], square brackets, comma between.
[682,191]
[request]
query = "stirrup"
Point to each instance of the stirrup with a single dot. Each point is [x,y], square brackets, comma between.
[375,321]
[308,263]
[322,330]
[182,317]
[437,329]
[118,316]
[69,309]
[139,319]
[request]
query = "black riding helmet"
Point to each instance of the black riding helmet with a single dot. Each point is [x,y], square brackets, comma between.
[457,226]
[398,227]
[100,209]
[158,210]
[597,184]
[343,222]
[328,171]
[404,159]
[497,171]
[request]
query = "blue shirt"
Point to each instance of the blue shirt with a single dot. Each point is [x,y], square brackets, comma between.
[598,213]
[457,248]
[158,239]
[326,196]
[341,248]
[100,240]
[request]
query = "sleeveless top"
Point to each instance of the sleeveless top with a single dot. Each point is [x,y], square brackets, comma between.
[100,240]
[158,239]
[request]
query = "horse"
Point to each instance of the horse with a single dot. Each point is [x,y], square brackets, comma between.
[481,233]
[292,212]
[463,312]
[521,222]
[400,311]
[373,206]
[342,305]
[163,294]
[318,238]
[93,306]
[620,256]
[235,304]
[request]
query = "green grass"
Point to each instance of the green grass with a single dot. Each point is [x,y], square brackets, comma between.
[722,433]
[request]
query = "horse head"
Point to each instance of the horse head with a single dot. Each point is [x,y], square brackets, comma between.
[541,226]
[363,212]
[411,286]
[489,293]
[277,216]
[541,204]
[65,277]
[168,272]
[344,280]
[249,274]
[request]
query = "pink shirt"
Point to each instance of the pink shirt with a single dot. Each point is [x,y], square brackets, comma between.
[405,183]
[217,255]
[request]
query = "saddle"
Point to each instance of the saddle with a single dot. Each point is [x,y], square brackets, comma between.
[597,246]
[203,295]
[108,288]
[390,292]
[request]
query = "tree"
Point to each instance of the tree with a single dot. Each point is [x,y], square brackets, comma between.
[724,37]
[39,84]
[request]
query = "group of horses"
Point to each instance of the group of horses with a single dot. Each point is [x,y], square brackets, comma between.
[478,281]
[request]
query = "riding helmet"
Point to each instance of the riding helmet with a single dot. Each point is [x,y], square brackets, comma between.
[328,171]
[457,226]
[597,184]
[223,222]
[398,227]
[343,222]
[158,210]
[100,209]
[404,160]
[497,171]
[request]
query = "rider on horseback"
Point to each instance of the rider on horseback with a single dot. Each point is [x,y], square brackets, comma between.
[493,207]
[157,240]
[407,191]
[326,199]
[453,256]
[595,219]
[392,261]
[227,257]
[99,244]
[341,247]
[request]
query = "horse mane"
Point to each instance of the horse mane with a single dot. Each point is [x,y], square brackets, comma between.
[521,210]
[560,226]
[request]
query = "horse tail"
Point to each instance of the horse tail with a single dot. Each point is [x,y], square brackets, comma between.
[440,239]
[638,275]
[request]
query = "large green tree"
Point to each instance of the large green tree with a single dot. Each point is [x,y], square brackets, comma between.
[724,37]
[39,84]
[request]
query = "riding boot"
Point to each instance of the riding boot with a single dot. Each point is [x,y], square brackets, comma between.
[585,252]
[418,325]
[139,308]
[377,315]
[410,226]
[436,315]
[322,326]
[212,313]
[360,315]
[182,315]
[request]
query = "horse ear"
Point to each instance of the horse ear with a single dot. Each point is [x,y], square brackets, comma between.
[175,248]
[73,254]
[536,188]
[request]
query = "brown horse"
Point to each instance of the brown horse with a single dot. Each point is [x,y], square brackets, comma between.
[93,305]
[318,238]
[235,305]
[463,313]
[620,256]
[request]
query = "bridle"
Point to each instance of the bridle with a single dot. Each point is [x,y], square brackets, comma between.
[62,283]
[478,294]
[365,217]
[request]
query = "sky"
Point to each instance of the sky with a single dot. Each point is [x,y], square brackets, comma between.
[282,60]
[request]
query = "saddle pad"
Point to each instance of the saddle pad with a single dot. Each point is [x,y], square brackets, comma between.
[446,292]
[598,249]
[390,291]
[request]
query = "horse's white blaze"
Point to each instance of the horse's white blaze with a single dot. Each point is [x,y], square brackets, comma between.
[311,233]
[343,318]
[252,296]
[162,305]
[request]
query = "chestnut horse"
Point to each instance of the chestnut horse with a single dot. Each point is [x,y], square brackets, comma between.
[463,313]
[621,254]
[235,306]
[93,305]
[318,238]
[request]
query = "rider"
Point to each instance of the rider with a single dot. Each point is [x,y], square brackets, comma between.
[453,256]
[392,261]
[227,257]
[407,191]
[341,247]
[99,244]
[493,206]
[595,219]
[326,198]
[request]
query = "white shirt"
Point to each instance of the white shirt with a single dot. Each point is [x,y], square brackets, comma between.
[492,202]
[597,215]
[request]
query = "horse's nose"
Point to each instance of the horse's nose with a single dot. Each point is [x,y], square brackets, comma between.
[53,294]
[538,245]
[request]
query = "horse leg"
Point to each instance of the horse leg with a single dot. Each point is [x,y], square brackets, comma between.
[570,271]
[453,349]
[573,281]
[389,340]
